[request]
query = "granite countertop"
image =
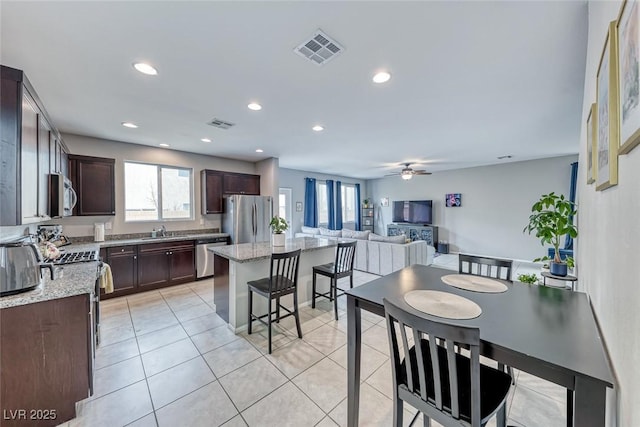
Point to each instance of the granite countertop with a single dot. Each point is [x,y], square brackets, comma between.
[143,240]
[76,279]
[247,252]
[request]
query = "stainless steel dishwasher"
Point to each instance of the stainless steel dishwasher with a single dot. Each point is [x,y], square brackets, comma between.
[204,258]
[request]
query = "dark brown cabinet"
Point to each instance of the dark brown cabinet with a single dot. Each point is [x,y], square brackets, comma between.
[240,183]
[217,184]
[46,360]
[26,151]
[93,179]
[123,261]
[182,264]
[211,192]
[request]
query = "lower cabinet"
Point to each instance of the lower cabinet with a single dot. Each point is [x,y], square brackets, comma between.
[46,361]
[137,268]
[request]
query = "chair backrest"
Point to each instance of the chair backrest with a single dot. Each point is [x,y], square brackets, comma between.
[484,266]
[435,394]
[345,255]
[284,270]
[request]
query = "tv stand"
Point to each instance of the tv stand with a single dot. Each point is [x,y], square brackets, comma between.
[428,233]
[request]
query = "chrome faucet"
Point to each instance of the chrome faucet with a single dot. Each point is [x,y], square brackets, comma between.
[163,231]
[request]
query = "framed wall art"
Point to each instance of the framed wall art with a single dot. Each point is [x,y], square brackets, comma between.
[453,200]
[628,51]
[592,144]
[607,117]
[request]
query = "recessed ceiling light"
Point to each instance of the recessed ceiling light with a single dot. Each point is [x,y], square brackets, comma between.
[254,106]
[259,150]
[318,128]
[164,145]
[381,77]
[129,125]
[145,68]
[205,140]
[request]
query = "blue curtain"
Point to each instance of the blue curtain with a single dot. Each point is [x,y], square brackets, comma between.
[338,205]
[358,212]
[568,243]
[331,205]
[310,203]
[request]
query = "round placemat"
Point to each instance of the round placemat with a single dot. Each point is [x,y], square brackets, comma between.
[443,304]
[474,283]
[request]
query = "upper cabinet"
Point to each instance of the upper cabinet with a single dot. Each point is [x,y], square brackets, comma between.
[216,184]
[26,151]
[93,178]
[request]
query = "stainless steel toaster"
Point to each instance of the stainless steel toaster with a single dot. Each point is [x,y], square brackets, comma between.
[20,265]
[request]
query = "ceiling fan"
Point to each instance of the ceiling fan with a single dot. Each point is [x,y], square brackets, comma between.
[407,172]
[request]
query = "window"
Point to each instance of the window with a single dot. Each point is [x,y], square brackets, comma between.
[323,205]
[284,208]
[157,192]
[348,202]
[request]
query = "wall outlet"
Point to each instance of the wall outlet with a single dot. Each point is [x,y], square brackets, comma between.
[107,226]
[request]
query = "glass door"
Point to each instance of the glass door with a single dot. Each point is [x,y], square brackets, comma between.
[285,209]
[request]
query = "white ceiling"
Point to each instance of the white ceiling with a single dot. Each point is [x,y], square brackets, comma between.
[471,80]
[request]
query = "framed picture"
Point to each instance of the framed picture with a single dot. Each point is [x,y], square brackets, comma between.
[607,117]
[453,200]
[384,202]
[591,145]
[298,206]
[628,42]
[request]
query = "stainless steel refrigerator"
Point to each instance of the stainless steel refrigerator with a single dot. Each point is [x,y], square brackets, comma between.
[246,218]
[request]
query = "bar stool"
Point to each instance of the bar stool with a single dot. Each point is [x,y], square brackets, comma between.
[282,280]
[341,267]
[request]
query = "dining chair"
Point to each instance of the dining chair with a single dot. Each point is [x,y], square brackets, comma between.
[494,268]
[450,388]
[341,267]
[282,281]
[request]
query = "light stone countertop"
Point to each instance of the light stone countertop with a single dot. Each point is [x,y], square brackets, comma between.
[142,240]
[247,252]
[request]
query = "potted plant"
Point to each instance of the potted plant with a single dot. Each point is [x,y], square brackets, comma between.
[530,279]
[365,203]
[551,220]
[278,226]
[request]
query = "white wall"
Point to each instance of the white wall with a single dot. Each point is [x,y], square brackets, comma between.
[609,244]
[496,203]
[294,179]
[83,145]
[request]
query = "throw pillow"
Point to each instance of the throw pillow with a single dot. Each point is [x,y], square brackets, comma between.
[310,230]
[389,239]
[352,234]
[330,233]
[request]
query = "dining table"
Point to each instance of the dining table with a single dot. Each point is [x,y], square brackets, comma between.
[550,333]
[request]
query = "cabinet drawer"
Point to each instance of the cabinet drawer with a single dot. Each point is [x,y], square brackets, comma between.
[122,250]
[165,246]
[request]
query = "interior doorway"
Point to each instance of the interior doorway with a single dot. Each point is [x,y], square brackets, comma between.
[285,209]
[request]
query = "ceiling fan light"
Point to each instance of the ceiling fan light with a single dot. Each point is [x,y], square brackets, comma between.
[406,175]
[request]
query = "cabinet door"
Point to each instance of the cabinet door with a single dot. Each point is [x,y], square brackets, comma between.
[94,183]
[153,269]
[124,268]
[211,192]
[44,135]
[183,268]
[235,183]
[29,161]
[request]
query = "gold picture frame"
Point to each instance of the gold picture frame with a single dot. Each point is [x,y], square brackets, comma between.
[607,117]
[628,54]
[592,144]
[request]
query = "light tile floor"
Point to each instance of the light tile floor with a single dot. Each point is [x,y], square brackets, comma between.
[166,359]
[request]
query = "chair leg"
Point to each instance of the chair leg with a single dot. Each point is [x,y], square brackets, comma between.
[501,418]
[313,293]
[397,412]
[569,408]
[351,280]
[269,324]
[510,372]
[426,421]
[277,310]
[296,314]
[335,295]
[250,312]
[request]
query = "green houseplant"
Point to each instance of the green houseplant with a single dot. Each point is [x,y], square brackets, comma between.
[278,227]
[552,219]
[530,279]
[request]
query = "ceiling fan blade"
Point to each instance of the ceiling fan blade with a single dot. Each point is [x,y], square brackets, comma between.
[421,173]
[393,174]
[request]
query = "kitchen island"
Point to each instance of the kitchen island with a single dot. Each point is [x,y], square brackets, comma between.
[235,265]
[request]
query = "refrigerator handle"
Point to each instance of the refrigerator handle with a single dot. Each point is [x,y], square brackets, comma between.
[253,221]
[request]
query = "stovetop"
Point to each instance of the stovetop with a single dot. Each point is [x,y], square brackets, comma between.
[74,257]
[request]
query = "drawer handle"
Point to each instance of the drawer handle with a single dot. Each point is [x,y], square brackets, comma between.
[122,250]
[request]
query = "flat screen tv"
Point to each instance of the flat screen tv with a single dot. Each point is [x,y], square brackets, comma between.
[413,211]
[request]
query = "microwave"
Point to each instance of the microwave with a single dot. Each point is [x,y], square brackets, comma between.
[62,196]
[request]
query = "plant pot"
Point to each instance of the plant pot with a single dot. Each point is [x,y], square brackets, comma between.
[558,269]
[278,239]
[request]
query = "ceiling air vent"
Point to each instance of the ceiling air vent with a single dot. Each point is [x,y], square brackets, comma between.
[215,122]
[319,48]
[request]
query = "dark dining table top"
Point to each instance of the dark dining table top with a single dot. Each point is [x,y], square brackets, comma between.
[553,325]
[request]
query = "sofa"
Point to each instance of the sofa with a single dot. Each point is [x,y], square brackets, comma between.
[376,254]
